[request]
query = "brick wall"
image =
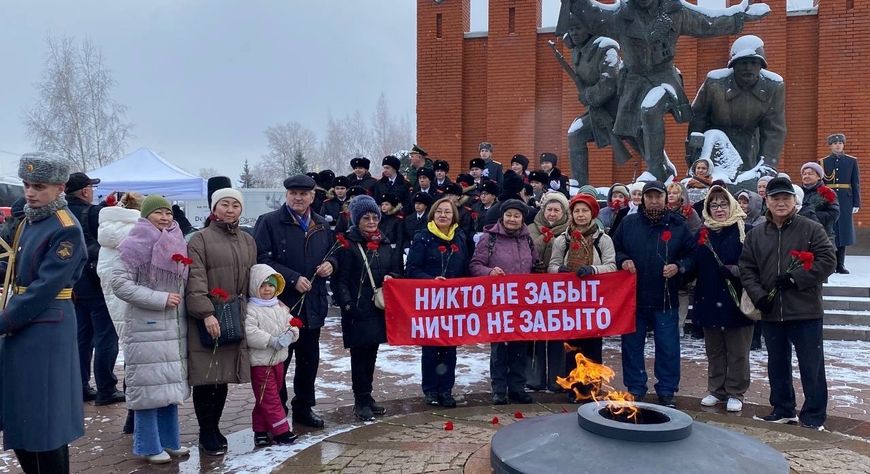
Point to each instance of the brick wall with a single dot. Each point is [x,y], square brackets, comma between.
[504,86]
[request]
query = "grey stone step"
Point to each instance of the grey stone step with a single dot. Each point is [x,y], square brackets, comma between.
[846,333]
[835,317]
[846,291]
[853,303]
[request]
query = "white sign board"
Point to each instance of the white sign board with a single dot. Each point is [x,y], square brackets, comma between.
[257,203]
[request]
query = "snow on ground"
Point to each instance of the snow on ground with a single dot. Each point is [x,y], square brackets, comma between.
[859,266]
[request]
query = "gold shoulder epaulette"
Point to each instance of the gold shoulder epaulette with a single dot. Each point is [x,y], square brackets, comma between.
[496,162]
[65,219]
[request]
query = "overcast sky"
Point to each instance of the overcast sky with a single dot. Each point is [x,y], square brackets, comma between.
[203,79]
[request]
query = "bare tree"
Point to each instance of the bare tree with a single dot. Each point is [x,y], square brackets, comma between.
[75,115]
[389,134]
[207,173]
[286,143]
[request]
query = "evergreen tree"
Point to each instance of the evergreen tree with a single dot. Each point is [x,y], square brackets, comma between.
[246,179]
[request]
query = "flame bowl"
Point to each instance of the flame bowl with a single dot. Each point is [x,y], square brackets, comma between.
[655,423]
[555,444]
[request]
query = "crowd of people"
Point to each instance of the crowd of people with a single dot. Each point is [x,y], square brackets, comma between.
[196,310]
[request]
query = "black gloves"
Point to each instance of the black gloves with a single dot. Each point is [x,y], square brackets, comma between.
[765,304]
[585,270]
[729,271]
[784,282]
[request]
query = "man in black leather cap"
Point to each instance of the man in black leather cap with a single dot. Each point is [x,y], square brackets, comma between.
[96,333]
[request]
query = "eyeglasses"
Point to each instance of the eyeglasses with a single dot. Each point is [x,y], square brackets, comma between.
[716,206]
[371,217]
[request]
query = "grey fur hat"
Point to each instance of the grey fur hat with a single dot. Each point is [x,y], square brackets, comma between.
[42,167]
[360,206]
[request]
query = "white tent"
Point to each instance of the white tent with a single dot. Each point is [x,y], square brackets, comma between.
[146,172]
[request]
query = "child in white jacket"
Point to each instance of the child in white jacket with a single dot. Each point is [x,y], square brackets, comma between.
[269,332]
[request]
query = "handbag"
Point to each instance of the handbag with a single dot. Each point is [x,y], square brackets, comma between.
[229,315]
[748,308]
[378,296]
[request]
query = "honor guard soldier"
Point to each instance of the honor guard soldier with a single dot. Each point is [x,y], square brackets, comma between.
[494,170]
[841,175]
[40,380]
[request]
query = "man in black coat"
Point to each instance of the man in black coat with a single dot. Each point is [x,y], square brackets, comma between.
[441,168]
[417,219]
[96,332]
[337,202]
[841,175]
[296,242]
[361,176]
[392,182]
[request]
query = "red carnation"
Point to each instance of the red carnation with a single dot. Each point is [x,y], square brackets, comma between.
[373,246]
[296,322]
[442,248]
[454,248]
[518,415]
[827,193]
[687,210]
[219,293]
[806,259]
[494,420]
[177,258]
[448,426]
[576,235]
[575,246]
[615,206]
[474,215]
[187,261]
[342,240]
[111,200]
[703,236]
[666,236]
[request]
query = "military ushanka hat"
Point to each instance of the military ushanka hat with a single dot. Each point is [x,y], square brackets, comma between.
[43,167]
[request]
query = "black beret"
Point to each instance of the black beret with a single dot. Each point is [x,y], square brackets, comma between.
[521,159]
[427,172]
[465,178]
[441,165]
[454,189]
[360,162]
[300,181]
[539,176]
[424,198]
[390,198]
[341,181]
[490,187]
[391,161]
[416,149]
[551,157]
[357,191]
[477,163]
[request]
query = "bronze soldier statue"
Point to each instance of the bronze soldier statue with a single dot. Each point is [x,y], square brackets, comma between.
[746,102]
[650,85]
[594,69]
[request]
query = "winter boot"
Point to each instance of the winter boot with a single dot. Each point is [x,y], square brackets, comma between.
[129,423]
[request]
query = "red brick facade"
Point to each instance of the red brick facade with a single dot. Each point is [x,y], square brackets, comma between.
[504,86]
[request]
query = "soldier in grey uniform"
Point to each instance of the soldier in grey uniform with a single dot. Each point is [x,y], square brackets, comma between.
[40,382]
[746,102]
[841,175]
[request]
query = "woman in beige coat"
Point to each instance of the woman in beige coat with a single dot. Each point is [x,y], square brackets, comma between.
[222,257]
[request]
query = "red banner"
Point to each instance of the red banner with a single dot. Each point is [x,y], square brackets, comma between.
[556,306]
